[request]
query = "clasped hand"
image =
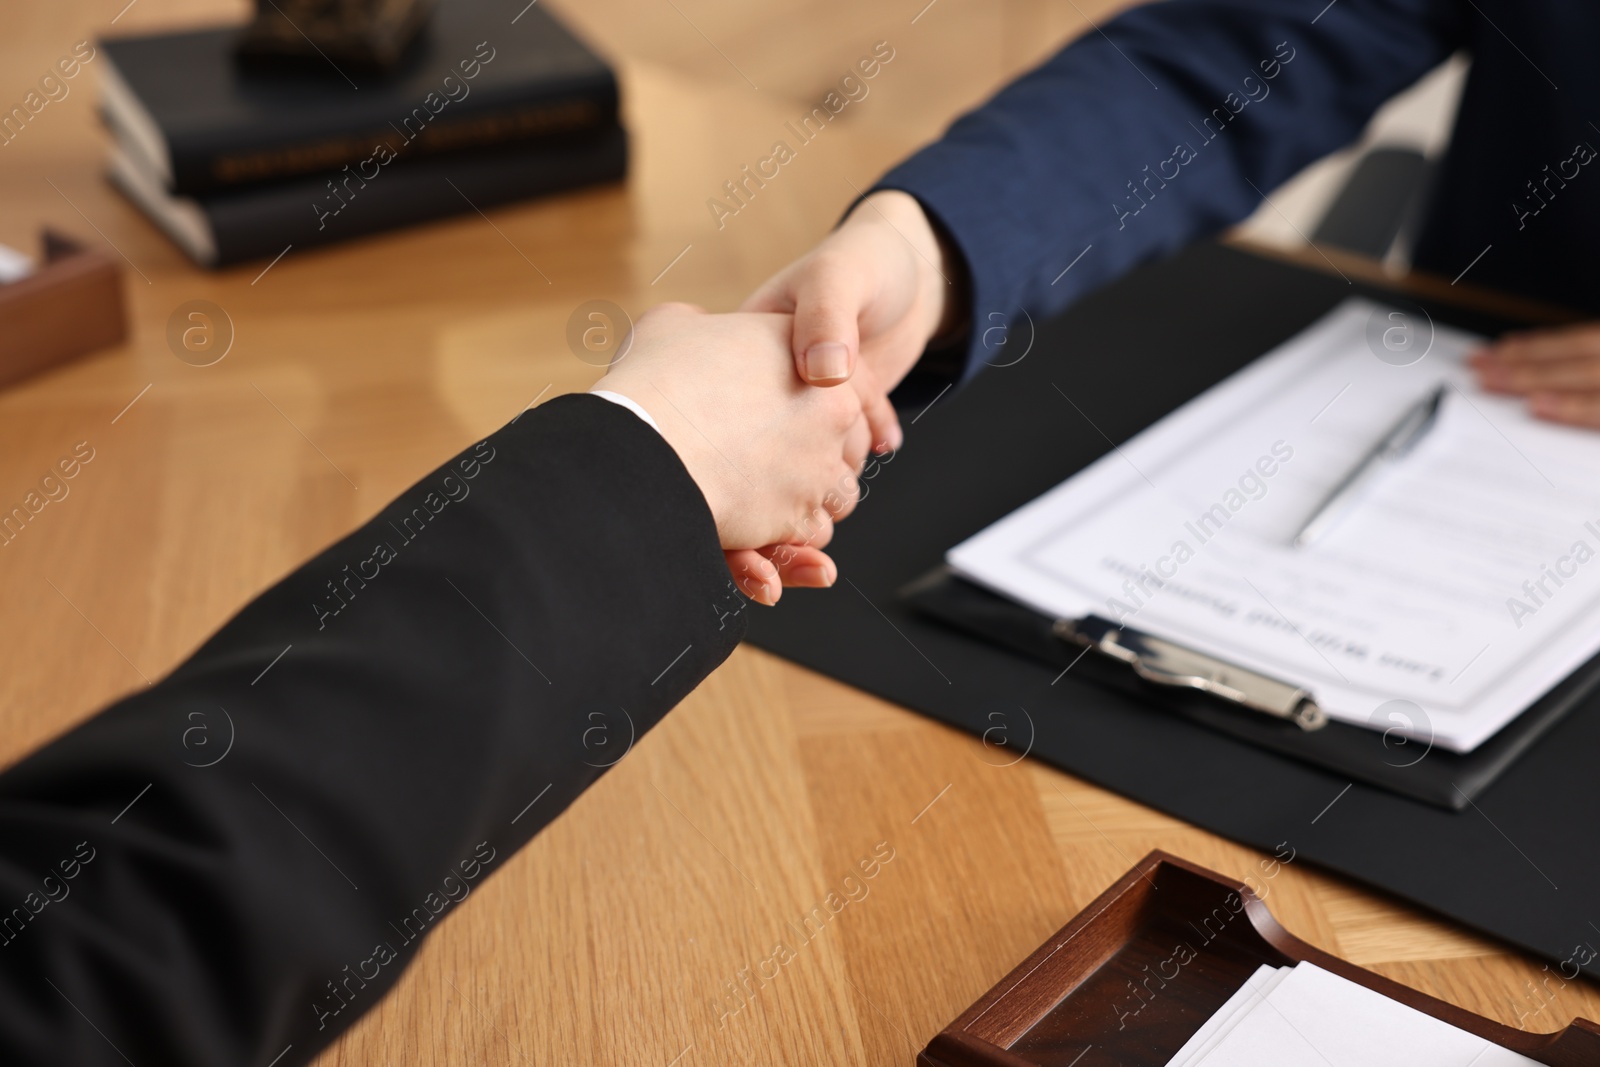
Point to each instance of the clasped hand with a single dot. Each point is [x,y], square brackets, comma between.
[775,458]
[751,401]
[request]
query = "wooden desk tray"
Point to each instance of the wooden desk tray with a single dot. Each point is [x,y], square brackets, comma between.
[1137,972]
[71,306]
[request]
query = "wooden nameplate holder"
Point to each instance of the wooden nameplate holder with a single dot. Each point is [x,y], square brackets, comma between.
[1062,1006]
[71,305]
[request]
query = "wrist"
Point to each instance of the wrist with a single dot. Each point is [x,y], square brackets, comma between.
[955,312]
[696,454]
[629,403]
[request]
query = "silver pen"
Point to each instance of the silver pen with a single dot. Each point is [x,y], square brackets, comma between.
[1396,442]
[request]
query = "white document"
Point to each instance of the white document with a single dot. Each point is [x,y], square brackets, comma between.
[1314,1018]
[1249,995]
[1457,590]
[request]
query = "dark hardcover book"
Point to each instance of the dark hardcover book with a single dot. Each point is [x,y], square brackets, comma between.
[480,75]
[265,221]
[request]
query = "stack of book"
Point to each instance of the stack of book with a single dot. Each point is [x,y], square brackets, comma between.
[235,162]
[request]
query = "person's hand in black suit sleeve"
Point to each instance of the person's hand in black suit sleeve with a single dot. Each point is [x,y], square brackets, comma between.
[775,459]
[234,864]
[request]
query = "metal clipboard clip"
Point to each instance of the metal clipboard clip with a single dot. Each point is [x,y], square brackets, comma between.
[1165,663]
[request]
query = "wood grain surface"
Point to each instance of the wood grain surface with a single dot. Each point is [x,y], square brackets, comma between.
[655,923]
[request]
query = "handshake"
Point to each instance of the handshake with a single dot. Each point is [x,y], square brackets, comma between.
[774,409]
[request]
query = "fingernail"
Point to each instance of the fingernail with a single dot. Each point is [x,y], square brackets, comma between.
[1544,405]
[828,361]
[811,577]
[761,590]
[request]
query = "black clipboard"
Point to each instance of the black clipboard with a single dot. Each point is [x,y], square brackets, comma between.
[1514,863]
[1384,758]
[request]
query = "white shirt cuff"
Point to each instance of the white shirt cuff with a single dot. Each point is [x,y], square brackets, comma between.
[627,402]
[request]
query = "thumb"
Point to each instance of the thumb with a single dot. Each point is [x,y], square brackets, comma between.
[826,338]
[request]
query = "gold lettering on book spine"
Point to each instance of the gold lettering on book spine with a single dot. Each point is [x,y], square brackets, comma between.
[479,131]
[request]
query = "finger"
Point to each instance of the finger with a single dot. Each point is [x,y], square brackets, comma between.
[1536,346]
[842,500]
[883,424]
[1564,375]
[754,575]
[827,302]
[802,566]
[815,528]
[846,493]
[1574,409]
[857,443]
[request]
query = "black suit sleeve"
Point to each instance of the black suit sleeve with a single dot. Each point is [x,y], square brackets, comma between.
[242,858]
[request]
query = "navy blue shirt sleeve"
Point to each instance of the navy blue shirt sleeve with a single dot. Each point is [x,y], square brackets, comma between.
[1169,123]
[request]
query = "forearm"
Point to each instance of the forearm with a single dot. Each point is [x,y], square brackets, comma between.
[1167,126]
[381,730]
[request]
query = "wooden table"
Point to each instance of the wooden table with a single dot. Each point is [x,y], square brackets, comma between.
[638,928]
